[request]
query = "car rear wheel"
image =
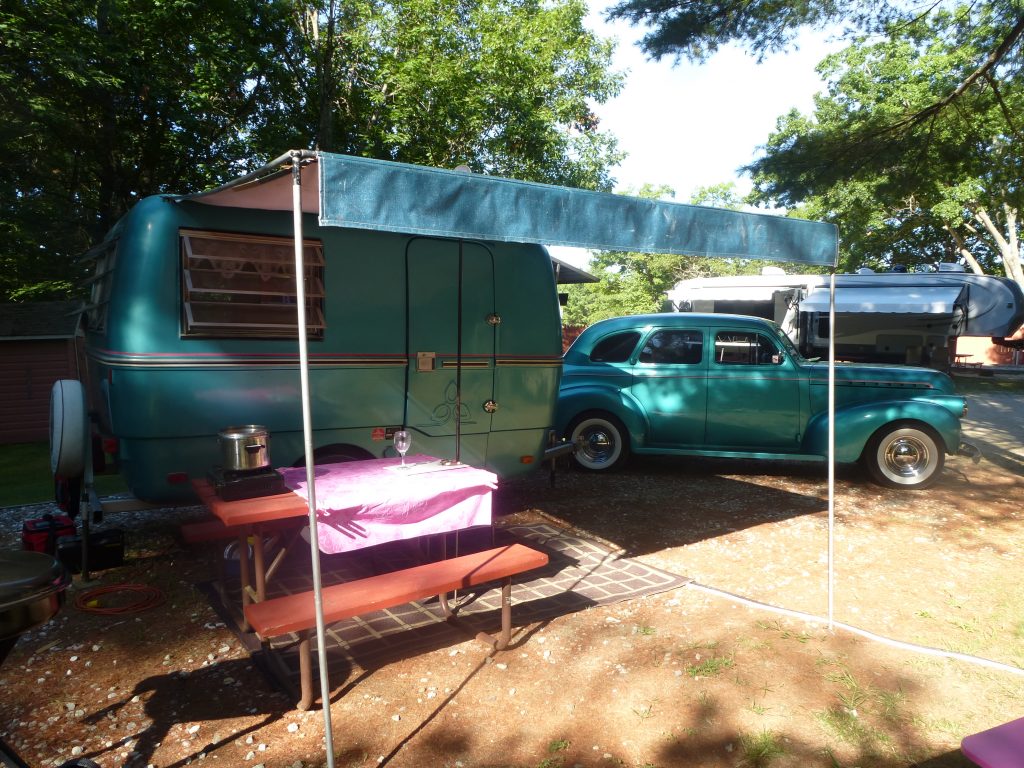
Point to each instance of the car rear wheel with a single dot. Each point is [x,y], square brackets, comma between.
[602,442]
[904,456]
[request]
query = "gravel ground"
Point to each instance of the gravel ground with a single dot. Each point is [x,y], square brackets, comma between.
[688,677]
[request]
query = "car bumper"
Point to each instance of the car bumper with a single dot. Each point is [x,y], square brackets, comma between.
[970,450]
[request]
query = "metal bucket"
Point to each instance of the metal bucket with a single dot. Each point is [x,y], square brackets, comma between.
[244,448]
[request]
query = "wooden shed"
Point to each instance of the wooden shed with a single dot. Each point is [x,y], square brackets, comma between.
[37,347]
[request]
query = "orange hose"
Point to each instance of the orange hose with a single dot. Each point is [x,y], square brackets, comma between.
[145,597]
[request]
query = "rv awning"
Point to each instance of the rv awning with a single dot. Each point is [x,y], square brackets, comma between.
[729,293]
[567,274]
[934,300]
[362,193]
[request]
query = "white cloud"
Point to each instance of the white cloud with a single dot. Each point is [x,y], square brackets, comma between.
[690,126]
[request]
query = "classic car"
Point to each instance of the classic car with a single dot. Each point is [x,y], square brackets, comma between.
[736,386]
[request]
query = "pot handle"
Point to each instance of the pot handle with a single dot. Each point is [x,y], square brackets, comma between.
[254,448]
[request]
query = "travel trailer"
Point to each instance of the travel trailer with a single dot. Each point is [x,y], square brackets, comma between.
[894,317]
[429,299]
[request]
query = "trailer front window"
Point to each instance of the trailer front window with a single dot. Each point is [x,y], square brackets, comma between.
[99,281]
[244,286]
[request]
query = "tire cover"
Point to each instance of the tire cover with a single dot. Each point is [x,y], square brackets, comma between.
[68,431]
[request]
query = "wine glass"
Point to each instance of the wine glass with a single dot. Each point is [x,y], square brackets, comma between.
[402,442]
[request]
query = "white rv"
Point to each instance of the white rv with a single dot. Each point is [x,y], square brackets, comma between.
[897,317]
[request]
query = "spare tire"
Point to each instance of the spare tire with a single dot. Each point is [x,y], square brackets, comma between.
[68,428]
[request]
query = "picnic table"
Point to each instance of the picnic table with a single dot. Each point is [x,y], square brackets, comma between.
[361,504]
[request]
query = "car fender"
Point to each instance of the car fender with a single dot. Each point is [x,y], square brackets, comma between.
[573,402]
[856,423]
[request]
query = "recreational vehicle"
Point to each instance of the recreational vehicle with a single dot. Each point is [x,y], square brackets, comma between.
[890,317]
[429,300]
[193,327]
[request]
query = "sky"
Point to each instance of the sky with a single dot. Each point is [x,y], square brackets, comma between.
[689,126]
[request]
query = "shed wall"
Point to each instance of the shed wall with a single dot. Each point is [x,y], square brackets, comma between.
[27,371]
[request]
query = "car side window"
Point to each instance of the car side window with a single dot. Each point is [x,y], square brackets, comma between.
[615,348]
[673,348]
[745,348]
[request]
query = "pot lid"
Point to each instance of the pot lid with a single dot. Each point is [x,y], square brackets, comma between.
[245,430]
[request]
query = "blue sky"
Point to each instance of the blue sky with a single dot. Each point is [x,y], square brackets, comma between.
[690,126]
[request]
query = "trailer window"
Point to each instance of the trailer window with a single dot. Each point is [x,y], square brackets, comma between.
[99,281]
[244,286]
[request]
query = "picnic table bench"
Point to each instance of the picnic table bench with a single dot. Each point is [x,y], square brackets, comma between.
[296,613]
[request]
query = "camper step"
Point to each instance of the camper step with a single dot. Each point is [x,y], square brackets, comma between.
[296,613]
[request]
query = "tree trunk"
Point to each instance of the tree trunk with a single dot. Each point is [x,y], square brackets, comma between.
[1009,248]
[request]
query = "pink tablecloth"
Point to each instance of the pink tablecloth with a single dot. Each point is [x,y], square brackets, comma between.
[362,503]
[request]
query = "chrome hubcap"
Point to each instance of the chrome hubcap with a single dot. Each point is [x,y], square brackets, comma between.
[598,445]
[906,457]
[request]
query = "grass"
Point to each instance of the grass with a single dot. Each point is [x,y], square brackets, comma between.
[25,476]
[761,750]
[709,667]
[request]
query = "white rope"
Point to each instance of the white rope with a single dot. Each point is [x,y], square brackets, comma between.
[924,649]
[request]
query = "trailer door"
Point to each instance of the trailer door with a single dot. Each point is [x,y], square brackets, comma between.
[433,273]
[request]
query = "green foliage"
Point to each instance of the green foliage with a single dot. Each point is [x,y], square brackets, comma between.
[695,29]
[908,180]
[108,101]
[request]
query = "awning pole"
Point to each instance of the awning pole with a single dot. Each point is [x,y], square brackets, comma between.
[307,436]
[831,443]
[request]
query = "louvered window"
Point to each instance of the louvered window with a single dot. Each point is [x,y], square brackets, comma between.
[244,286]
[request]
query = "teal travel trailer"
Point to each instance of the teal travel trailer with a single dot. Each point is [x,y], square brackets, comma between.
[429,299]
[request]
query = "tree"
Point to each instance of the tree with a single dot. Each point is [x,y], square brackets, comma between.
[503,86]
[108,101]
[944,188]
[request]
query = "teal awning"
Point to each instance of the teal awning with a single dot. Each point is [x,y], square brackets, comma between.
[373,194]
[397,197]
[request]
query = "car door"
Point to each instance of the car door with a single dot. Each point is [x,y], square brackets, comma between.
[669,381]
[753,394]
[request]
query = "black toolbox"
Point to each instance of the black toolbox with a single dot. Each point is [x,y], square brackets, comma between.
[42,533]
[106,550]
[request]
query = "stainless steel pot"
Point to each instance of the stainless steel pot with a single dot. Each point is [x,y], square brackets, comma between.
[32,588]
[244,448]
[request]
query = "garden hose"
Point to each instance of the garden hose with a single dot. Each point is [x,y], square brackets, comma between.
[142,598]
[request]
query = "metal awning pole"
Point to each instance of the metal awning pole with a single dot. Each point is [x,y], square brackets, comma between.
[307,436]
[831,442]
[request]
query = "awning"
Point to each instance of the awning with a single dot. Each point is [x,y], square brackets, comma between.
[759,293]
[916,300]
[567,274]
[361,193]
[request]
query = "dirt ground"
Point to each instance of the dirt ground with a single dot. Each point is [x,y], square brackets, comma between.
[691,677]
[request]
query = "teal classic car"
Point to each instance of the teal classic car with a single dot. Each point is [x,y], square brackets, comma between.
[734,386]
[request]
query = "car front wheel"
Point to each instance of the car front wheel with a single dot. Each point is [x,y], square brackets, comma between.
[904,456]
[602,442]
